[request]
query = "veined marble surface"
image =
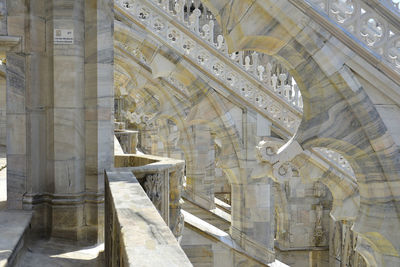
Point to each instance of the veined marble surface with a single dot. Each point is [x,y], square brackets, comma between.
[3,178]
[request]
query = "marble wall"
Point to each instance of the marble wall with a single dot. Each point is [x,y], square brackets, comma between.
[3,115]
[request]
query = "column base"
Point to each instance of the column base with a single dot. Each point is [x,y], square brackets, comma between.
[78,217]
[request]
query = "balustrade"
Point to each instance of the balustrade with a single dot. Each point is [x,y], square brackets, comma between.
[256,77]
[393,5]
[365,24]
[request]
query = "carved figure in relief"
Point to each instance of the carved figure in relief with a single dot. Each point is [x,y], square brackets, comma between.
[319,190]
[319,231]
[153,187]
[178,228]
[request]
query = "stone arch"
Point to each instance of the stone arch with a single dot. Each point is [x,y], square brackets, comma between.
[335,107]
[224,129]
[165,99]
[123,34]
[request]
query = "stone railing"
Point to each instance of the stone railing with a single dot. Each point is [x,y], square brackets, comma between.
[392,5]
[361,20]
[161,178]
[254,77]
[135,234]
[196,18]
[192,34]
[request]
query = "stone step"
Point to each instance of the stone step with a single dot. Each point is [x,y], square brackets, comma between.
[14,225]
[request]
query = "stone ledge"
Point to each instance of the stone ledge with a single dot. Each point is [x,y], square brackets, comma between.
[13,226]
[139,230]
[8,42]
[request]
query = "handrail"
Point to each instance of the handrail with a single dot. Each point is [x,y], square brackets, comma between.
[377,32]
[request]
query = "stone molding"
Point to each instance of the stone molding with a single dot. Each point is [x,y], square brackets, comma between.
[31,199]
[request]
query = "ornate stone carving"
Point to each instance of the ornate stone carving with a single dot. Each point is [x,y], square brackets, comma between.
[270,152]
[359,19]
[318,231]
[345,245]
[178,227]
[267,150]
[282,171]
[337,159]
[319,190]
[256,67]
[273,80]
[153,188]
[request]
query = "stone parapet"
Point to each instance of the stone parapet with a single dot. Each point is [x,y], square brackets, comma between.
[161,178]
[135,235]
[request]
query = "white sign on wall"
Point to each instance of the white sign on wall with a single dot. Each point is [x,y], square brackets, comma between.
[63,36]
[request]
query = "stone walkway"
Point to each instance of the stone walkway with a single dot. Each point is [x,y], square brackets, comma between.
[56,252]
[52,252]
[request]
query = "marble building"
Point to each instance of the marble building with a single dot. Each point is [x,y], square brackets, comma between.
[200,133]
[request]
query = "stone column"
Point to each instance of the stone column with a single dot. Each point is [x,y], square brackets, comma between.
[59,114]
[38,105]
[252,218]
[252,199]
[200,172]
[16,130]
[16,112]
[99,106]
[66,119]
[3,110]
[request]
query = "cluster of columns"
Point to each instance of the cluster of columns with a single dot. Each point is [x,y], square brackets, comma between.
[59,113]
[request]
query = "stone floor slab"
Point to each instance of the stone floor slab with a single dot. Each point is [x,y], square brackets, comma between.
[13,225]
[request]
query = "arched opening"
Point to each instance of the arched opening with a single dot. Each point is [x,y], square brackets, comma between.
[335,108]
